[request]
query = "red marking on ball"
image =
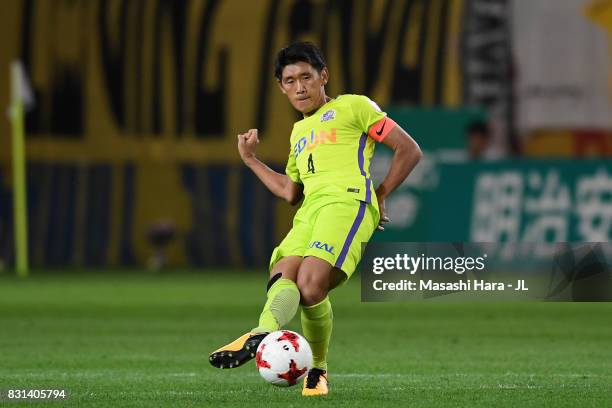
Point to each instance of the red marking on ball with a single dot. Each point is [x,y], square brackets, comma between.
[291,338]
[293,374]
[261,363]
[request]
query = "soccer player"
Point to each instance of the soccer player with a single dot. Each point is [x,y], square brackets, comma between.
[328,166]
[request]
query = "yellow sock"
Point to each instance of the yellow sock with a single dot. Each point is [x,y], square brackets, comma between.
[317,322]
[281,306]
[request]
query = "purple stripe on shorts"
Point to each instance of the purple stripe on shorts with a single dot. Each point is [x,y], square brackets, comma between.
[349,239]
[362,144]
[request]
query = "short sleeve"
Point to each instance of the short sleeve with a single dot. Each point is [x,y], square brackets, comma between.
[291,170]
[366,112]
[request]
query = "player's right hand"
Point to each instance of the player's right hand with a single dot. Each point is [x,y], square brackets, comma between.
[247,144]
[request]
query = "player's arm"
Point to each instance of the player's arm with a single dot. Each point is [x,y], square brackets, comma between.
[406,155]
[279,184]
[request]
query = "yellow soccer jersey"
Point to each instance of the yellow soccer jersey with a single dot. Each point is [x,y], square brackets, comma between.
[331,149]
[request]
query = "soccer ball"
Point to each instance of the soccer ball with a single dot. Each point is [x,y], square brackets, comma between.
[283,358]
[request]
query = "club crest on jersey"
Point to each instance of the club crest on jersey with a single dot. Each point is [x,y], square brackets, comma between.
[329,115]
[311,142]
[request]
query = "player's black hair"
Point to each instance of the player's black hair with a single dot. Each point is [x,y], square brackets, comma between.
[298,52]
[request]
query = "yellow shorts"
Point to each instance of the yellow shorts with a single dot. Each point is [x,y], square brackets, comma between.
[332,231]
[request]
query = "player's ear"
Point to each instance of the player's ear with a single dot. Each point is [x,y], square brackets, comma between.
[325,75]
[280,85]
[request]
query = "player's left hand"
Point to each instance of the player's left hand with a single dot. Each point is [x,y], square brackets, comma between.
[383,215]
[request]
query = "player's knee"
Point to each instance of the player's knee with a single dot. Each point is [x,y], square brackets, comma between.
[286,268]
[311,292]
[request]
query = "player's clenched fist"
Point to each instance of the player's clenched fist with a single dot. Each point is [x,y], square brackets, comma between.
[247,144]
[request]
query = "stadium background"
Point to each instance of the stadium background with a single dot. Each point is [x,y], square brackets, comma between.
[138,103]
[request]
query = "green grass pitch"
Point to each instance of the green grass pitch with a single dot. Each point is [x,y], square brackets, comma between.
[130,339]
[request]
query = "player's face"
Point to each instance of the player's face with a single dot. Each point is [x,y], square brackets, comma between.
[304,86]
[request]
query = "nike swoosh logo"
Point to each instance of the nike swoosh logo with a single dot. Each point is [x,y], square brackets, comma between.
[379,132]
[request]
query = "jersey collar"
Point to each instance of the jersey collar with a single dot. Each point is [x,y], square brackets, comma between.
[319,110]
